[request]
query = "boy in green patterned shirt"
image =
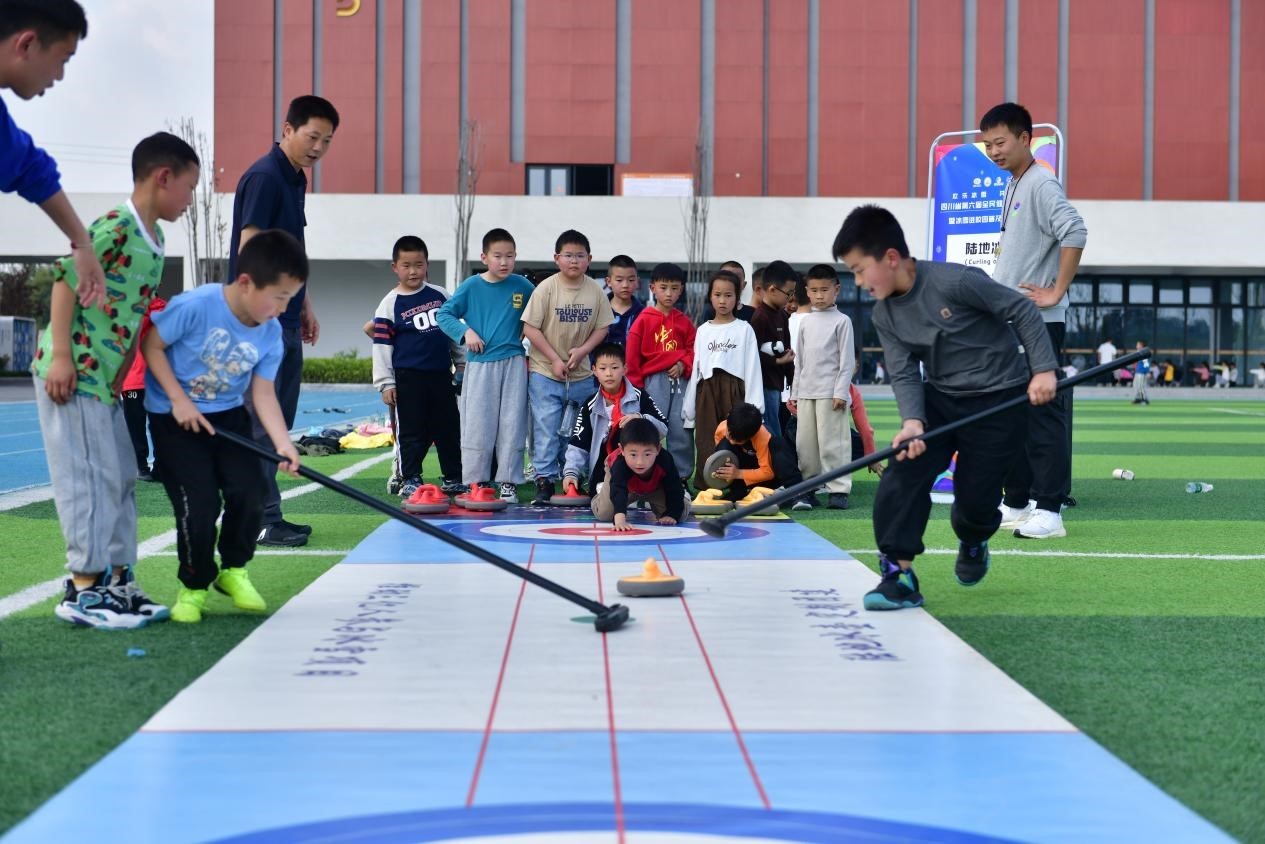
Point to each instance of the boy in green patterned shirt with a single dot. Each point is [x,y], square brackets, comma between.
[81,356]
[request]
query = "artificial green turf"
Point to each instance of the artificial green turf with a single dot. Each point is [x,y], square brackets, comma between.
[1160,660]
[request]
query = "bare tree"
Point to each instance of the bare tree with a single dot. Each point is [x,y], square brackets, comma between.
[205,225]
[695,216]
[468,165]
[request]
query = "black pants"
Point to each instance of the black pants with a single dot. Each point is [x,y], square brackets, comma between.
[134,416]
[985,452]
[785,466]
[197,470]
[1046,472]
[289,380]
[426,405]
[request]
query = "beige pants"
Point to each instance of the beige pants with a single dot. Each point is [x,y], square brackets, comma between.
[823,441]
[604,511]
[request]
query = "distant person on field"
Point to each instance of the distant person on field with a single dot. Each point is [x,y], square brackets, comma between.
[208,348]
[1141,377]
[37,39]
[414,364]
[81,360]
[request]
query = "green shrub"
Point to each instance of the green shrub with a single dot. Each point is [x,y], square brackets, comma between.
[340,369]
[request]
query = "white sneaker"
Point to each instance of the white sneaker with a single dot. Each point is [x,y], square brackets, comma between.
[1013,517]
[1042,524]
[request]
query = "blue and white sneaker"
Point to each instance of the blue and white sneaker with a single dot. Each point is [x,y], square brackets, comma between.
[410,486]
[898,590]
[127,588]
[99,606]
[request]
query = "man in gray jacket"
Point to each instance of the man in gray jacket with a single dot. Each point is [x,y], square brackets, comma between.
[1042,238]
[956,323]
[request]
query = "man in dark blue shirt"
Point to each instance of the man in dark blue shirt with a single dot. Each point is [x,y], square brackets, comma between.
[270,195]
[36,41]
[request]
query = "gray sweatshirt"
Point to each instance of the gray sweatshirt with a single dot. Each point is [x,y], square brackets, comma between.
[954,321]
[1039,222]
[824,356]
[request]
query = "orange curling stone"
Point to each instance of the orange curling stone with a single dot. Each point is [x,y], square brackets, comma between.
[651,583]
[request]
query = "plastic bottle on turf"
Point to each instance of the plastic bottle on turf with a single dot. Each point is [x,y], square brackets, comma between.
[1197,486]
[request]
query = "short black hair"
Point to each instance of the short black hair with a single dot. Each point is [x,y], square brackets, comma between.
[409,243]
[1011,115]
[52,20]
[498,236]
[821,272]
[723,275]
[744,421]
[778,273]
[622,262]
[609,350]
[757,277]
[734,264]
[309,106]
[640,431]
[162,149]
[537,276]
[801,293]
[270,254]
[872,229]
[667,272]
[571,236]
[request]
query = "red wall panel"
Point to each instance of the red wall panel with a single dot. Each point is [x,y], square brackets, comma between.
[788,97]
[570,86]
[393,98]
[1192,99]
[739,97]
[939,77]
[1105,88]
[488,97]
[1252,102]
[665,94]
[1039,62]
[863,95]
[296,55]
[441,93]
[347,80]
[243,87]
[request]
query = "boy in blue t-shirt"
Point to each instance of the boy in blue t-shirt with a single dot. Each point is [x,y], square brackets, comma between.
[485,316]
[206,348]
[413,363]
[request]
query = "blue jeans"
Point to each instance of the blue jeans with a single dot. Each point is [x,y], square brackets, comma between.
[554,406]
[772,407]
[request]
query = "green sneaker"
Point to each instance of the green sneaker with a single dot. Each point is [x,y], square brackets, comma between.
[236,584]
[188,606]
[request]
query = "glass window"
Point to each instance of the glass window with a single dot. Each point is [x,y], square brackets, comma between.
[558,181]
[1171,293]
[536,178]
[1111,324]
[1201,293]
[1255,291]
[1255,338]
[1140,292]
[1231,293]
[1170,332]
[1139,324]
[1081,292]
[1082,331]
[1110,292]
[1199,333]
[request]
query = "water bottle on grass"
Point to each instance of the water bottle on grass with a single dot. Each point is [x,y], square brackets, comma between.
[1198,486]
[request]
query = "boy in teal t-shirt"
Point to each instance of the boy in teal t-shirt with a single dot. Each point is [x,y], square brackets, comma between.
[82,355]
[484,316]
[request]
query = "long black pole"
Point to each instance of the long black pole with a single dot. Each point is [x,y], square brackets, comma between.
[717,526]
[606,618]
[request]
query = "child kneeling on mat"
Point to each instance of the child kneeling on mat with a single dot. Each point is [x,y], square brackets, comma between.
[763,459]
[616,403]
[639,468]
[207,346]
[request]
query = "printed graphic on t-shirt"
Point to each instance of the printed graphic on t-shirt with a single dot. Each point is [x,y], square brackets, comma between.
[225,363]
[666,339]
[573,313]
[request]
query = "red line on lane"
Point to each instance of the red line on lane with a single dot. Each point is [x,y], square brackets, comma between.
[620,829]
[496,693]
[733,724]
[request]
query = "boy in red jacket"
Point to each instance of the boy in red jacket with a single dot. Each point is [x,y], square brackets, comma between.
[660,352]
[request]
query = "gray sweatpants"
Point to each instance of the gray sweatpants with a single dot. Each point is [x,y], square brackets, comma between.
[493,420]
[669,395]
[93,471]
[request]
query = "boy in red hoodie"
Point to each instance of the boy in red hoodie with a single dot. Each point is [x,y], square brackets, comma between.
[660,352]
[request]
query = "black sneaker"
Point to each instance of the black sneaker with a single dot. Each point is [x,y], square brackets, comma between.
[972,563]
[897,590]
[306,530]
[837,501]
[100,605]
[144,473]
[281,536]
[452,487]
[126,587]
[544,490]
[804,502]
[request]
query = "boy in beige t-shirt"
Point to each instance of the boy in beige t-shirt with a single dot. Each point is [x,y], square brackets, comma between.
[566,317]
